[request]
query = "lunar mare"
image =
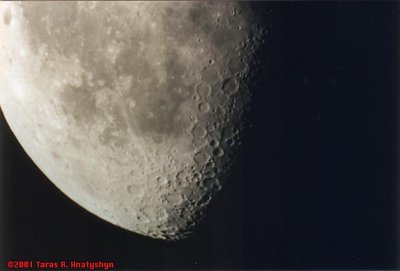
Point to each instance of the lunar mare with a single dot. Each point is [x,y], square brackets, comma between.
[133,109]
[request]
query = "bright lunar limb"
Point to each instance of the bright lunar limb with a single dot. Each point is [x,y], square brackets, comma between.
[133,109]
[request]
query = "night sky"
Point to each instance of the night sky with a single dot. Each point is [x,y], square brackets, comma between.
[315,185]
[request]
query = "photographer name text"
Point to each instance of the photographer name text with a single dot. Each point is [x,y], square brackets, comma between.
[54,265]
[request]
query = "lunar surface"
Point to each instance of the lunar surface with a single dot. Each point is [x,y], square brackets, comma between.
[134,110]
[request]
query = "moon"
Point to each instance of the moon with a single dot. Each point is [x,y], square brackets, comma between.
[134,110]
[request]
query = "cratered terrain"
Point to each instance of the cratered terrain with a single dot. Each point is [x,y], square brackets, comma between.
[134,110]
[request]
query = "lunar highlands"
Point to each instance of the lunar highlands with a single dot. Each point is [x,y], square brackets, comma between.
[134,110]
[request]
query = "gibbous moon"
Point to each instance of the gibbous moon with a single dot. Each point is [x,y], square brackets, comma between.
[134,110]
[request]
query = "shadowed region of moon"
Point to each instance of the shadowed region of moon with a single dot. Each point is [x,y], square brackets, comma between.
[132,109]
